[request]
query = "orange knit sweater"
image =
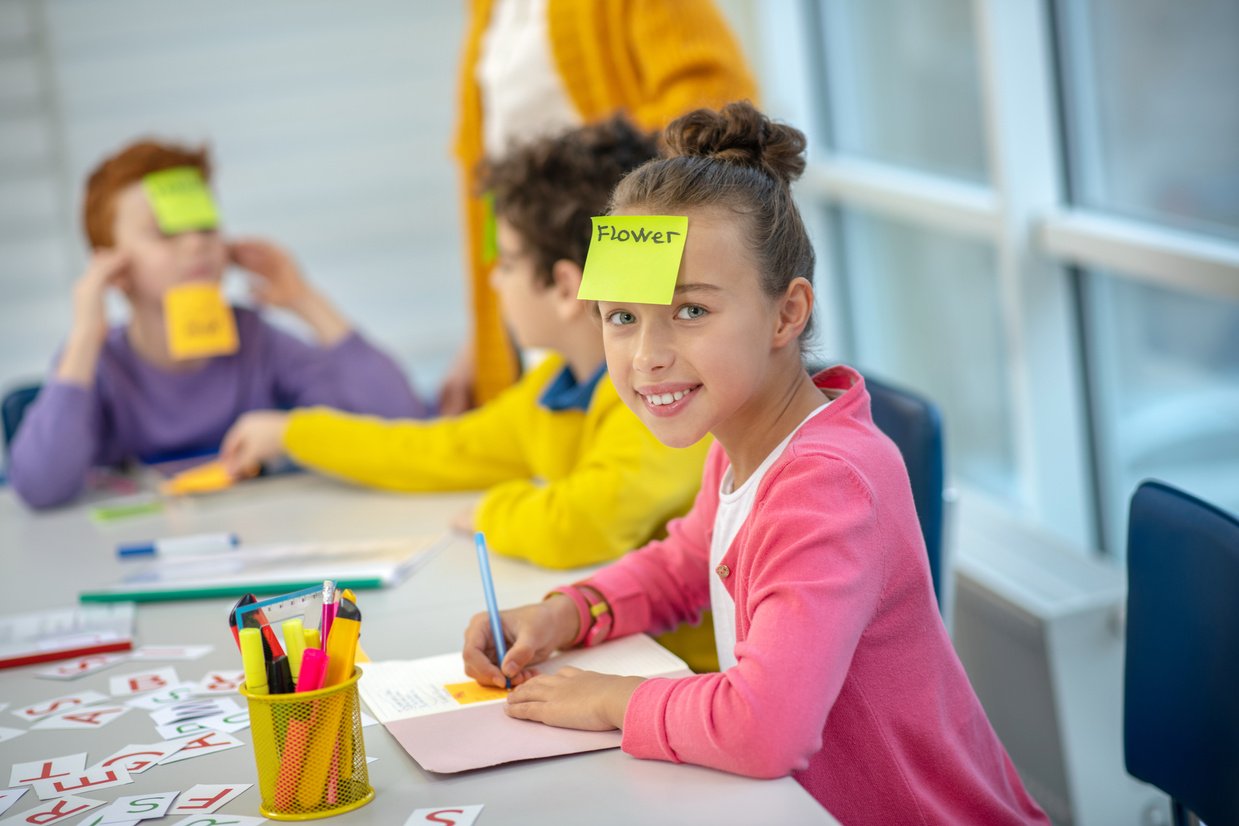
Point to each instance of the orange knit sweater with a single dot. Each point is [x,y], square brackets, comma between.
[652,59]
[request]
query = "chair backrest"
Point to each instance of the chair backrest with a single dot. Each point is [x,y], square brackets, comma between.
[913,423]
[13,408]
[1181,680]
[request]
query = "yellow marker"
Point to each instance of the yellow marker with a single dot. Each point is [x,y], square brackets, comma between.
[361,655]
[198,321]
[294,642]
[205,478]
[181,200]
[634,258]
[253,660]
[312,640]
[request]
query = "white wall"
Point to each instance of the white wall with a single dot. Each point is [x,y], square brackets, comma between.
[330,125]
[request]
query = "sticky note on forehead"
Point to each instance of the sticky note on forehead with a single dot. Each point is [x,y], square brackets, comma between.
[634,258]
[181,200]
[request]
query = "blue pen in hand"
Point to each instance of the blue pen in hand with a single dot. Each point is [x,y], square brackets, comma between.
[492,607]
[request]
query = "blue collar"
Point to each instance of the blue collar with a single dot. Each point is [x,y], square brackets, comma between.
[564,393]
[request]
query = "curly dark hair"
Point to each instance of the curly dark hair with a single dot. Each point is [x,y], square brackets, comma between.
[549,190]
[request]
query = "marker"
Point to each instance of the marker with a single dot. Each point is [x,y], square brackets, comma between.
[342,643]
[194,544]
[279,676]
[294,642]
[313,669]
[253,660]
[492,608]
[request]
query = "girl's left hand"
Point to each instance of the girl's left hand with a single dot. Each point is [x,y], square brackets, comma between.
[572,698]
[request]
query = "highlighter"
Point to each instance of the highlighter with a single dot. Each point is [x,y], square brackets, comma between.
[362,656]
[294,642]
[313,669]
[312,638]
[253,660]
[342,643]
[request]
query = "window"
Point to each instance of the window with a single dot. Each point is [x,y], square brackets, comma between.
[925,311]
[903,81]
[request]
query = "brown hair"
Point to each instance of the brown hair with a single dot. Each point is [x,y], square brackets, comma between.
[550,189]
[738,159]
[128,166]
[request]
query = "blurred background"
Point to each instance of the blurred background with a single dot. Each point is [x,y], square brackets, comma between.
[1027,210]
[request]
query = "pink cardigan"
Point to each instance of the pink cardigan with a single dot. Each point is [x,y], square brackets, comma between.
[845,676]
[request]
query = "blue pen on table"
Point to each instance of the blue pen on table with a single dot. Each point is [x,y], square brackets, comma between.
[200,543]
[492,607]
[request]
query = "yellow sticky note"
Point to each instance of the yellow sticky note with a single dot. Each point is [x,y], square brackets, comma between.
[634,258]
[473,692]
[181,200]
[199,322]
[204,478]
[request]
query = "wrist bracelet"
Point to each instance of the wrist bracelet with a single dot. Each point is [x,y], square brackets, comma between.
[593,614]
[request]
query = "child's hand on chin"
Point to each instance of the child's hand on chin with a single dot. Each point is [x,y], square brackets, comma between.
[279,282]
[572,698]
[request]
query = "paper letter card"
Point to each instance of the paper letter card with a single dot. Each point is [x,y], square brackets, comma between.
[199,321]
[181,200]
[634,258]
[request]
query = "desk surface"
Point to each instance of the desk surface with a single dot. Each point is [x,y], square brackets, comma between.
[46,558]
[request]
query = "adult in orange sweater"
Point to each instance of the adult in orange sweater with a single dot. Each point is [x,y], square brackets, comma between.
[532,68]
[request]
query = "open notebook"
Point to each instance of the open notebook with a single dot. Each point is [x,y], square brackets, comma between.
[269,569]
[448,723]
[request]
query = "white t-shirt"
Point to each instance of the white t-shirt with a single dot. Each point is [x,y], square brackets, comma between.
[523,97]
[734,507]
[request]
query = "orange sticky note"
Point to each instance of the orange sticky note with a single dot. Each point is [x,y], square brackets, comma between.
[204,478]
[473,692]
[199,322]
[634,258]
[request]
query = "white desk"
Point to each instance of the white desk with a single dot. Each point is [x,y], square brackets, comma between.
[46,558]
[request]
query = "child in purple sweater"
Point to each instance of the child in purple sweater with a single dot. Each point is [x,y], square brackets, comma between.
[116,395]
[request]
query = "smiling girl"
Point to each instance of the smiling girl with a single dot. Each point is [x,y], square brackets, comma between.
[836,667]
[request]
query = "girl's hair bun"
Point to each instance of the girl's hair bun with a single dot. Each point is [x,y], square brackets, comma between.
[739,134]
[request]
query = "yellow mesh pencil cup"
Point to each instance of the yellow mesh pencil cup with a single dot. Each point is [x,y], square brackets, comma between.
[309,752]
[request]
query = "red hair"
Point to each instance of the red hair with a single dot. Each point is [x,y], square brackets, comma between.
[128,166]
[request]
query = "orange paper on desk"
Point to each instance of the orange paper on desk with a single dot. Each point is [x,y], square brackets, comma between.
[634,258]
[204,478]
[199,322]
[414,700]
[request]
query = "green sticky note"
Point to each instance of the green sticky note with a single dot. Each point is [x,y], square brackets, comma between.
[490,233]
[634,258]
[181,200]
[125,510]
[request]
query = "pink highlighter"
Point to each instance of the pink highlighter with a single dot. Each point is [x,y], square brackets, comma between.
[313,669]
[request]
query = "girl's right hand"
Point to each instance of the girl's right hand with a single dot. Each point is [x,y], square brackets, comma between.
[107,268]
[535,633]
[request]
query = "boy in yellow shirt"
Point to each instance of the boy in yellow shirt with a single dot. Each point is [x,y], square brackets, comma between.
[572,476]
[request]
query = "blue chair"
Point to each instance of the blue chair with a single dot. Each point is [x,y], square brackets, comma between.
[1181,680]
[913,423]
[13,408]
